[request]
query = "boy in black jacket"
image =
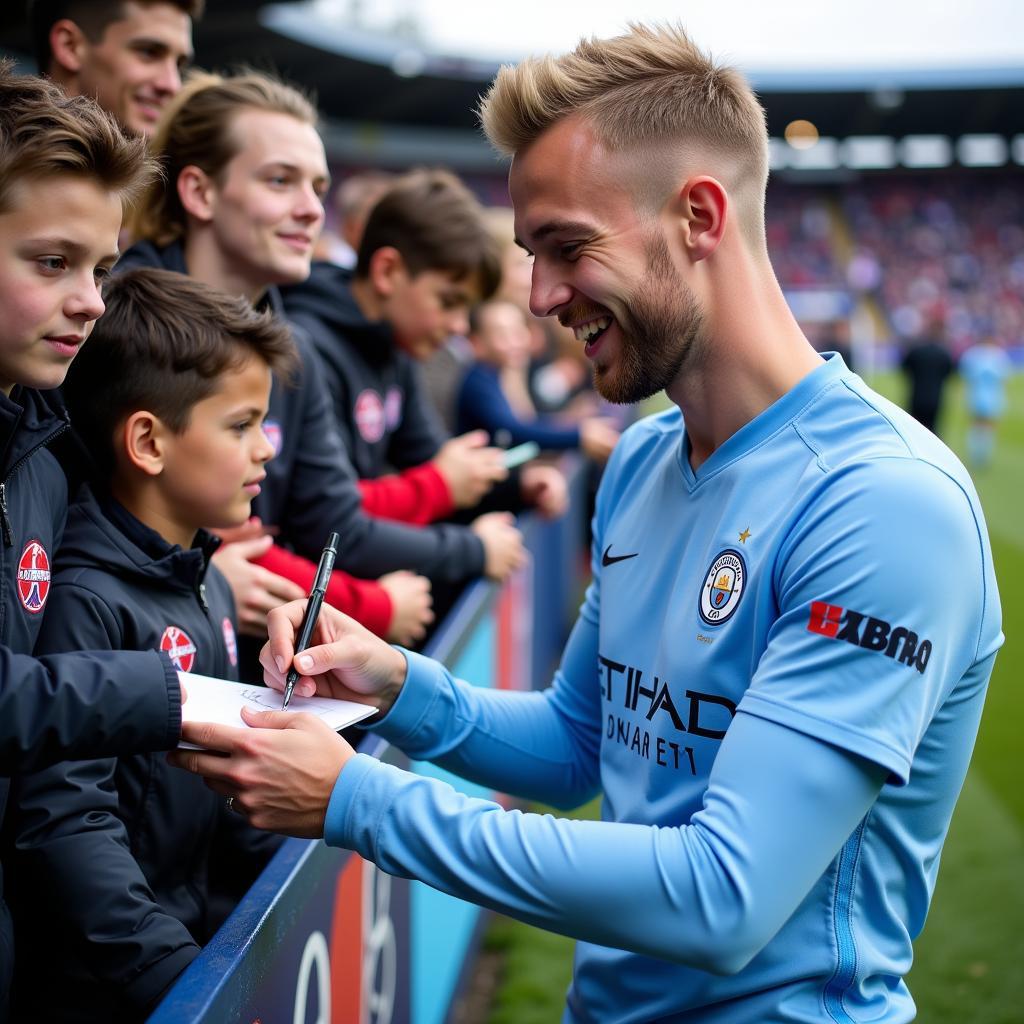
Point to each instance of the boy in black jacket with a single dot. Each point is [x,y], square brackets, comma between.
[65,169]
[115,855]
[425,258]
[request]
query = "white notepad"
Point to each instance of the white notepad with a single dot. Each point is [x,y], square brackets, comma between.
[221,700]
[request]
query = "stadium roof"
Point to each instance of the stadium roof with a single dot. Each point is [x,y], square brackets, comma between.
[385,93]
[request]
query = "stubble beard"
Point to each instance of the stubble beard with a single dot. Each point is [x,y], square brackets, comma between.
[661,329]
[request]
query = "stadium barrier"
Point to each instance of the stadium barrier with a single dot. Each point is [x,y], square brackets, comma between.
[324,937]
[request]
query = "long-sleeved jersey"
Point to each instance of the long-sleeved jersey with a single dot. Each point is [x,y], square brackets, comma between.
[775,684]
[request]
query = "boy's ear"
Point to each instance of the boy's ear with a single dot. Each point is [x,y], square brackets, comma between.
[142,440]
[386,267]
[197,193]
[67,46]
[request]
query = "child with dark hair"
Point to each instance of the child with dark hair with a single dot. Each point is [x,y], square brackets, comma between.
[425,258]
[114,857]
[128,55]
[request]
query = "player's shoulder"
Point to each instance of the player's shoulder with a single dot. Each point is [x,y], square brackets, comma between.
[870,452]
[852,424]
[645,444]
[658,430]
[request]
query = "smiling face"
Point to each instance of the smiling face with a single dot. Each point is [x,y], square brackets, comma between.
[136,65]
[212,470]
[601,267]
[266,206]
[58,240]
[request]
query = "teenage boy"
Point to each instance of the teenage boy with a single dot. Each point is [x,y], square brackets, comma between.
[65,169]
[169,396]
[129,55]
[246,173]
[424,259]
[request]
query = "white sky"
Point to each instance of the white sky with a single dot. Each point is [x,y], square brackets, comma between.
[758,34]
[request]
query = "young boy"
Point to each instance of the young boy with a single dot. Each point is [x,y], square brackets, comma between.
[65,169]
[129,55]
[501,343]
[113,857]
[425,258]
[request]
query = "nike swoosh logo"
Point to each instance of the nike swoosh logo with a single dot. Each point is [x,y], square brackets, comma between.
[609,559]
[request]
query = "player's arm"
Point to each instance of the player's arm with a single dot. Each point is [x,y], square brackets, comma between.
[709,894]
[541,745]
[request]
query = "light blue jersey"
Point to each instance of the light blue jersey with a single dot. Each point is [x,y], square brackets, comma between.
[984,369]
[775,682]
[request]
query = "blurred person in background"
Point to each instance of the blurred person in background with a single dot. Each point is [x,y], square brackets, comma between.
[984,368]
[129,55]
[493,397]
[777,675]
[927,366]
[354,198]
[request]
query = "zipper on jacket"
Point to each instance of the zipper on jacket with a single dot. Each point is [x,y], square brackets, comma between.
[5,519]
[202,598]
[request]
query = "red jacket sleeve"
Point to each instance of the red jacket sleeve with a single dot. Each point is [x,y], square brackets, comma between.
[418,495]
[367,602]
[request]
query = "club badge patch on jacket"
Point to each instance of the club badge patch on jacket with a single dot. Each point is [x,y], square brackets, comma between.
[33,577]
[178,644]
[369,416]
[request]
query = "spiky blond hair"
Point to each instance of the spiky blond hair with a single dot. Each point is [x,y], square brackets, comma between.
[641,92]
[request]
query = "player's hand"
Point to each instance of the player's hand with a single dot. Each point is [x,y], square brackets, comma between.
[470,467]
[344,660]
[598,437]
[411,602]
[545,489]
[503,544]
[256,590]
[280,773]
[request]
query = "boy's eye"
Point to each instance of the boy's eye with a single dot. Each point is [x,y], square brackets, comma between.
[52,264]
[569,249]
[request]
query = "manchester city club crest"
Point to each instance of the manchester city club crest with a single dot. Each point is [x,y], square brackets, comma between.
[33,577]
[723,587]
[178,644]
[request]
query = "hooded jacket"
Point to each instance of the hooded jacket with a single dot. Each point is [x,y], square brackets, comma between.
[311,488]
[377,392]
[112,857]
[79,704]
[381,406]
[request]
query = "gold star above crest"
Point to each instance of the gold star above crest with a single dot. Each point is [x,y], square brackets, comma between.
[744,535]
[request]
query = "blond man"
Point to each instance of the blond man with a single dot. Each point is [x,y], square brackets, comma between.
[777,673]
